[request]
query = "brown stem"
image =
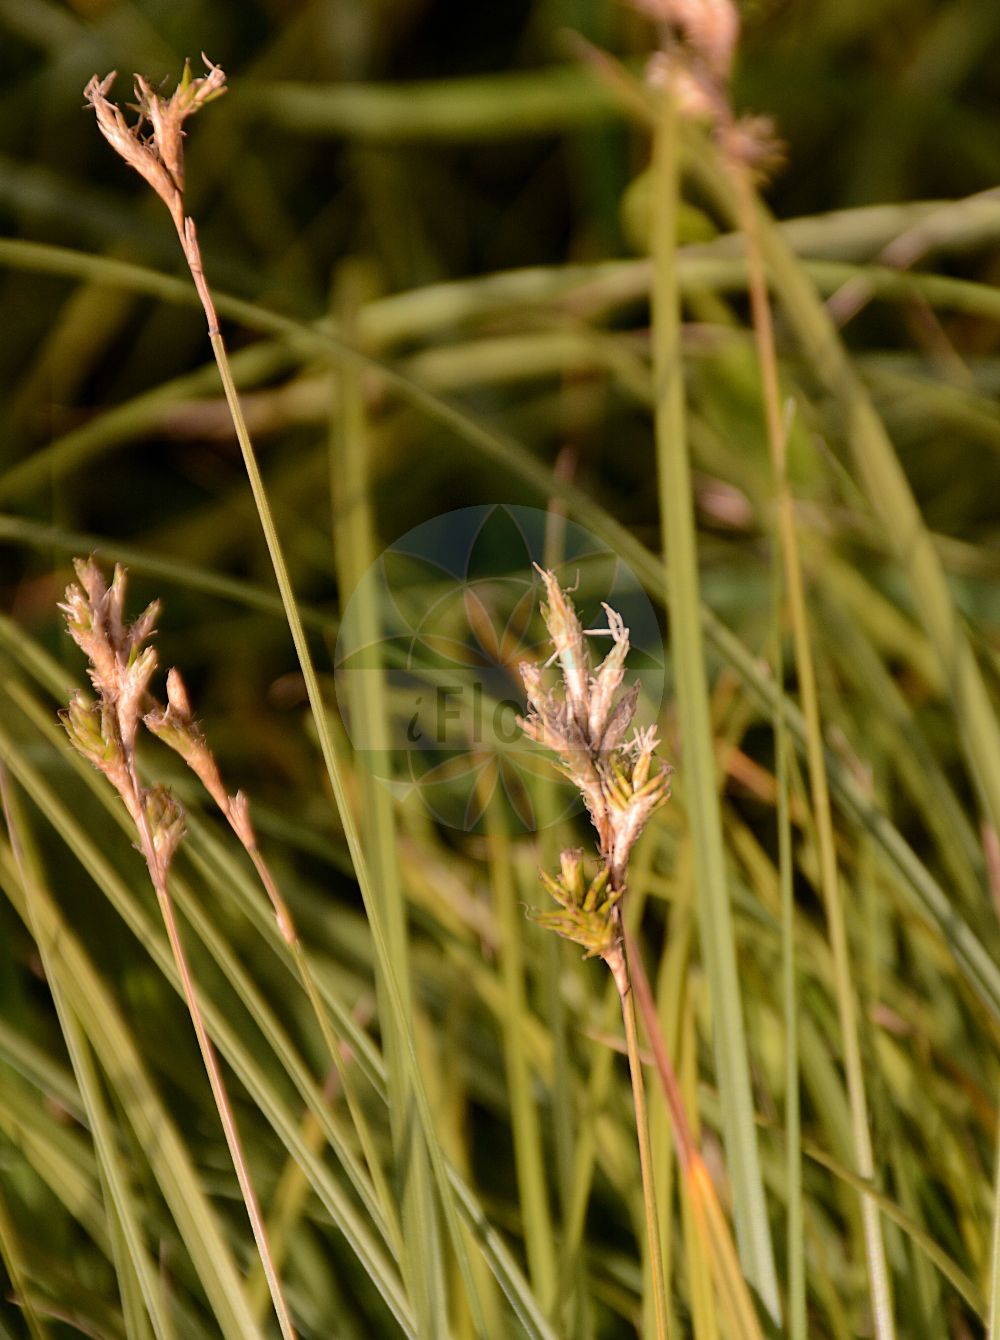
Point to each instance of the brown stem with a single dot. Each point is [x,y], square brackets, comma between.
[683,1139]
[705,1207]
[192,254]
[158,875]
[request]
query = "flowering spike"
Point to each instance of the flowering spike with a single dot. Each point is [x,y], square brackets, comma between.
[571,864]
[567,638]
[104,732]
[597,886]
[159,155]
[166,822]
[607,681]
[585,727]
[177,728]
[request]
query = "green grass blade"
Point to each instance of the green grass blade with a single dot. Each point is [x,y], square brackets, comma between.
[10,1256]
[168,1157]
[993,1321]
[419,1245]
[529,1155]
[891,499]
[481,107]
[135,1266]
[223,1033]
[677,521]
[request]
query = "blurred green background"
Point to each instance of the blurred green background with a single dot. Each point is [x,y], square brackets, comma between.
[459,190]
[413,144]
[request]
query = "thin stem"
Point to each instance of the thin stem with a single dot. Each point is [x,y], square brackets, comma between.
[878,1273]
[677,520]
[158,876]
[394,991]
[290,935]
[777,435]
[796,1261]
[684,1142]
[993,1328]
[192,254]
[618,963]
[730,1281]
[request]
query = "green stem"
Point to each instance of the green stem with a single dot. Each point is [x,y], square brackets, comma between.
[993,1328]
[715,912]
[372,910]
[529,1156]
[878,1273]
[214,1072]
[618,963]
[527,1311]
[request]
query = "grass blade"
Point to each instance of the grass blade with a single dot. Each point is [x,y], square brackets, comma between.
[677,522]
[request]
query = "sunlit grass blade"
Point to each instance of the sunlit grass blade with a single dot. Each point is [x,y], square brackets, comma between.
[87,996]
[417,1236]
[135,1267]
[890,497]
[529,1153]
[10,1255]
[483,1235]
[677,523]
[833,895]
[231,1045]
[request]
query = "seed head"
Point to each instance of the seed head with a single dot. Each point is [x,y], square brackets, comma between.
[156,154]
[585,725]
[177,727]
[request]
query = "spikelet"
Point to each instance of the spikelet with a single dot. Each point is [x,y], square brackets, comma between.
[585,724]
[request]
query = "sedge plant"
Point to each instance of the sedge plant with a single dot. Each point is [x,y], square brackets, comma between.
[105,730]
[154,146]
[693,71]
[585,722]
[692,75]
